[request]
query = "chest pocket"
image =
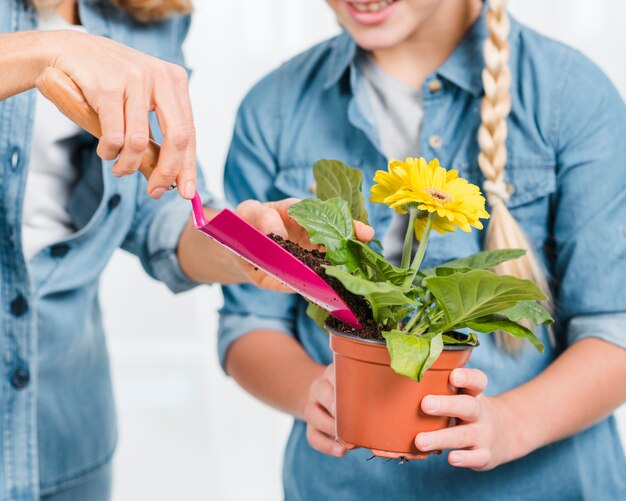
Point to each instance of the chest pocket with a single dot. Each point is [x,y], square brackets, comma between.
[534,186]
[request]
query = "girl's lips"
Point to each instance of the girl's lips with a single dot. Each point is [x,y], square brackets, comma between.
[370,12]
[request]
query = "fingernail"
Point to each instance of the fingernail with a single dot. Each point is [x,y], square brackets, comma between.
[459,377]
[456,459]
[425,442]
[190,189]
[337,449]
[432,404]
[157,192]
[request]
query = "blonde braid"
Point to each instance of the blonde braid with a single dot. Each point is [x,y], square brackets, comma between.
[503,232]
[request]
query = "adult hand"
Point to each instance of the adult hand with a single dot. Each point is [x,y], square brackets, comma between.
[123,85]
[485,434]
[273,217]
[319,413]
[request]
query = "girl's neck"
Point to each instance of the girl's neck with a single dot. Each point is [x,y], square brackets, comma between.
[412,60]
[68,10]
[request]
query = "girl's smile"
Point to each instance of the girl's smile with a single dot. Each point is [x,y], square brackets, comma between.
[370,12]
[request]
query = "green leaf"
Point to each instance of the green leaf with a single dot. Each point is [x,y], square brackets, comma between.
[480,261]
[379,295]
[329,223]
[336,179]
[468,339]
[530,310]
[380,269]
[468,296]
[493,323]
[411,356]
[319,315]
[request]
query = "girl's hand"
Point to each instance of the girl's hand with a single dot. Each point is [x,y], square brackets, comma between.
[485,435]
[123,85]
[272,217]
[319,414]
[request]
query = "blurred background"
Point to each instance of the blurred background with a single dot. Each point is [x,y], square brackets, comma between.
[187,432]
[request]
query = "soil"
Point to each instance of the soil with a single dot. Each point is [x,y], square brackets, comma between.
[316,260]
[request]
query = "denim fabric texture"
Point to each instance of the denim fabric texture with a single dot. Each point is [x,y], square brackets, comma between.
[567,167]
[57,417]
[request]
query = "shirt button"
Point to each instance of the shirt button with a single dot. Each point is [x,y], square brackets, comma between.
[435,85]
[19,306]
[59,250]
[114,201]
[15,158]
[435,142]
[20,378]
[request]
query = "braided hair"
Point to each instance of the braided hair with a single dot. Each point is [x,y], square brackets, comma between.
[503,231]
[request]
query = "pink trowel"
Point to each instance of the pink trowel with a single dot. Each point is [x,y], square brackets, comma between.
[226,228]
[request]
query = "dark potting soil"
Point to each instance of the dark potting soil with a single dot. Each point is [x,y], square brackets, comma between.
[316,260]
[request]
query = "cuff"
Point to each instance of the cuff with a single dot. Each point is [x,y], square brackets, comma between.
[163,237]
[234,326]
[607,326]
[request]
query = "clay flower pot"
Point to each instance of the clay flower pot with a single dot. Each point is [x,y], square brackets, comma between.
[380,410]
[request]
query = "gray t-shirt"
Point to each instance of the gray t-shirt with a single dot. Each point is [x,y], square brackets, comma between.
[398,112]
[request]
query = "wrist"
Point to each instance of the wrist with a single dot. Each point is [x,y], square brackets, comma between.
[517,431]
[310,373]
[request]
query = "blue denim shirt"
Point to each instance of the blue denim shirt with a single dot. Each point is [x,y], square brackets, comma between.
[567,165]
[57,419]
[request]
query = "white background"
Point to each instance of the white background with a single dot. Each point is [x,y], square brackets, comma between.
[187,432]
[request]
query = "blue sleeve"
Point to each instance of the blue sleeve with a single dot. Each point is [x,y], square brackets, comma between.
[590,205]
[249,174]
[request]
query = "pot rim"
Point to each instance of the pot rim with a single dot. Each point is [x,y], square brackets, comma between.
[446,347]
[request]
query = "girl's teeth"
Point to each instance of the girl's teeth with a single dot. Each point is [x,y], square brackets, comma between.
[372,6]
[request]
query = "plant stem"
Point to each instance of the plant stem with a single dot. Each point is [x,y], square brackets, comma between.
[408,239]
[421,250]
[416,317]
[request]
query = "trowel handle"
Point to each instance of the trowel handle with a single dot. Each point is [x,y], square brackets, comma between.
[62,91]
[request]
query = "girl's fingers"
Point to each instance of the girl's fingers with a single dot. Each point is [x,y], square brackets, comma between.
[319,418]
[464,407]
[323,393]
[477,459]
[264,218]
[110,110]
[323,443]
[457,437]
[363,232]
[471,381]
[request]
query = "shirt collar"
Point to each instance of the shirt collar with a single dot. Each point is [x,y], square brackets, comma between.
[463,68]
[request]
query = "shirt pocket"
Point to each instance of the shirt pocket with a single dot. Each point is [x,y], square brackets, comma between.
[533,185]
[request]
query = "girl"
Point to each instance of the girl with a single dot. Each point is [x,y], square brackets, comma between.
[544,132]
[62,214]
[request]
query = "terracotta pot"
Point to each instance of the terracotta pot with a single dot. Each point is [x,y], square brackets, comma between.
[380,410]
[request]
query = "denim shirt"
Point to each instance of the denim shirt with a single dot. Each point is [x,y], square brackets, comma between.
[566,165]
[57,420]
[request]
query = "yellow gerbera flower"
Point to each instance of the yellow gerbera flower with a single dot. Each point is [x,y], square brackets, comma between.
[432,189]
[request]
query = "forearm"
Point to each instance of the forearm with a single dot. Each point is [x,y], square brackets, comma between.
[23,57]
[581,387]
[275,369]
[204,260]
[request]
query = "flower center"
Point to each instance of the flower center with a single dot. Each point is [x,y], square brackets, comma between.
[439,195]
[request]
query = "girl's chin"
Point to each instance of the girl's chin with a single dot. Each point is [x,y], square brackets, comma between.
[373,40]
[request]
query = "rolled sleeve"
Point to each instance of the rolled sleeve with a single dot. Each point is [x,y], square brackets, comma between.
[608,327]
[162,242]
[235,326]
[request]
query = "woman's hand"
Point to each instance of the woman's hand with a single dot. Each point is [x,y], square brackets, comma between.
[319,414]
[485,435]
[123,85]
[272,217]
